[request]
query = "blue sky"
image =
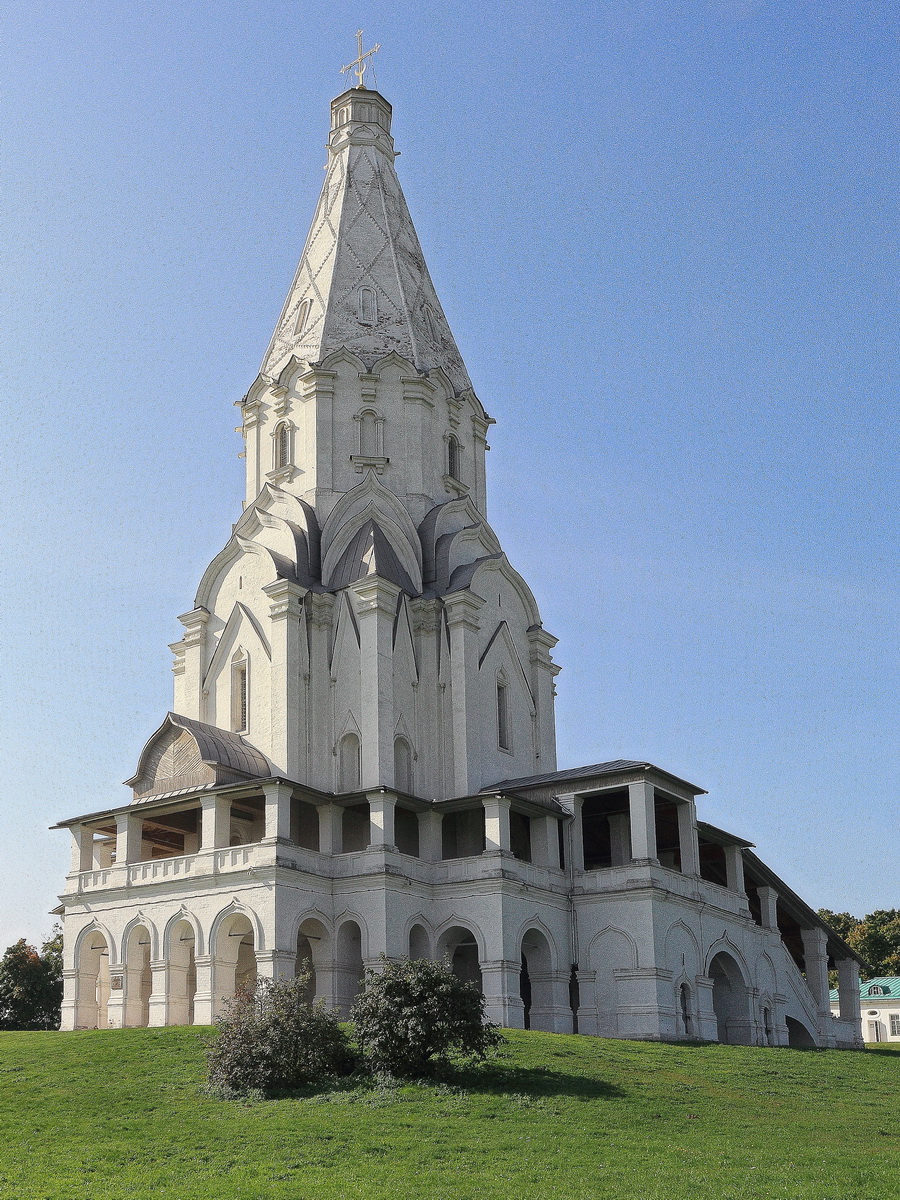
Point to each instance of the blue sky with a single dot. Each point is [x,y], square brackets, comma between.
[665,238]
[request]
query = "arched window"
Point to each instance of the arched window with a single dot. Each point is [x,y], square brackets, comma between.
[454,454]
[302,314]
[368,433]
[403,779]
[504,740]
[348,763]
[282,445]
[367,306]
[876,990]
[239,689]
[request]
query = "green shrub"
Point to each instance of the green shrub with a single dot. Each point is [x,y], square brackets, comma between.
[415,1014]
[271,1039]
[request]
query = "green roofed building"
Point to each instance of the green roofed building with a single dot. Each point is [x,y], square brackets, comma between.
[879,1003]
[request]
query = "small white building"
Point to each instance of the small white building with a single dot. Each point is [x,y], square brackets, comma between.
[879,1002]
[361,756]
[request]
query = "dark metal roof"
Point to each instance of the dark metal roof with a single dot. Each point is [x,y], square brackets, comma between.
[608,768]
[218,747]
[721,837]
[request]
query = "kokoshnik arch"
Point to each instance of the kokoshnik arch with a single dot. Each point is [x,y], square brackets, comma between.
[361,756]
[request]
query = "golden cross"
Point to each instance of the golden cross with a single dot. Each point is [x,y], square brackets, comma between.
[360,62]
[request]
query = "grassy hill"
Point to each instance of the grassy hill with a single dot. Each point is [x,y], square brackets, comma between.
[119,1114]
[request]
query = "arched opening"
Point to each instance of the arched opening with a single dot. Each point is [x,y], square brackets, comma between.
[138,978]
[93,982]
[314,956]
[403,779]
[458,944]
[419,942]
[536,982]
[235,959]
[348,966]
[729,1000]
[685,1011]
[182,981]
[454,457]
[798,1035]
[348,763]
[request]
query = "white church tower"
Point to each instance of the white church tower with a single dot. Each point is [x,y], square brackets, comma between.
[361,754]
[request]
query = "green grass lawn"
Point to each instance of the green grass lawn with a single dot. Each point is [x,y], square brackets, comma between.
[120,1114]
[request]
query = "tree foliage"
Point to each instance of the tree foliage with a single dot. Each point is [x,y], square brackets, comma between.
[31,984]
[271,1039]
[415,1014]
[875,937]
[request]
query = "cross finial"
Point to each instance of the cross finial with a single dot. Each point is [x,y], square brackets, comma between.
[359,63]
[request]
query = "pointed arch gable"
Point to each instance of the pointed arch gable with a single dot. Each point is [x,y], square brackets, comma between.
[451,518]
[503,636]
[535,923]
[626,940]
[239,618]
[466,577]
[93,927]
[724,945]
[381,505]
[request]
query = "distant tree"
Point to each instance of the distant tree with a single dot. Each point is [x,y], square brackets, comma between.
[415,1013]
[876,938]
[842,923]
[31,984]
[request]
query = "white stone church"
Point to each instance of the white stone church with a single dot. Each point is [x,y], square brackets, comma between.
[361,754]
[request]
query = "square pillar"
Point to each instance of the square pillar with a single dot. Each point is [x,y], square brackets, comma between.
[331,829]
[574,842]
[734,868]
[768,903]
[544,842]
[463,622]
[848,988]
[381,821]
[158,1004]
[278,811]
[642,810]
[687,838]
[129,827]
[496,825]
[82,849]
[815,957]
[204,964]
[430,835]
[215,822]
[376,607]
[619,839]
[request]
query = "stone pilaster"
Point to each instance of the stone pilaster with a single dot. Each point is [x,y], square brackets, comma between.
[462,619]
[642,811]
[287,688]
[376,607]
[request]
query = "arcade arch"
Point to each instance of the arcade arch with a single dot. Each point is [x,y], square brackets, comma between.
[730,1001]
[182,973]
[138,977]
[460,946]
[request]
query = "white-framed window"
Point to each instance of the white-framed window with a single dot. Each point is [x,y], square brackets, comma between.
[894,1019]
[504,735]
[876,990]
[239,692]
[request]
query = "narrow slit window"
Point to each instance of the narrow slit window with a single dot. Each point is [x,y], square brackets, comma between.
[239,695]
[282,446]
[453,457]
[367,306]
[503,739]
[302,314]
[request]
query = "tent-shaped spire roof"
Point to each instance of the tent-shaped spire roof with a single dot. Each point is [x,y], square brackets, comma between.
[362,282]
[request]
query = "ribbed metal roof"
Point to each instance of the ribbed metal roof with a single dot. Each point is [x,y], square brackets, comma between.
[607,768]
[218,747]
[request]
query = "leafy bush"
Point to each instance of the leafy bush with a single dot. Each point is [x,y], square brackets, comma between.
[415,1014]
[271,1038]
[31,984]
